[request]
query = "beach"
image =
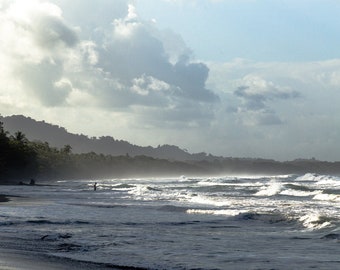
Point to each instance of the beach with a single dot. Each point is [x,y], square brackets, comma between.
[15,260]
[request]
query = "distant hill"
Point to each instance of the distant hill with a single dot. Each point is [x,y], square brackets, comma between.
[58,136]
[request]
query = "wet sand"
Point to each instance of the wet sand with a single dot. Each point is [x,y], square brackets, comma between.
[21,260]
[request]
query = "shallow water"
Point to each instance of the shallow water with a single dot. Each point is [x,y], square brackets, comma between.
[252,222]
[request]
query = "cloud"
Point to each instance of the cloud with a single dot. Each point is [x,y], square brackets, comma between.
[35,30]
[174,45]
[140,51]
[124,63]
[51,31]
[49,88]
[284,107]
[36,43]
[135,57]
[256,94]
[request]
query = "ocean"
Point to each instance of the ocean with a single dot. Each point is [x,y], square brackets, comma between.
[229,222]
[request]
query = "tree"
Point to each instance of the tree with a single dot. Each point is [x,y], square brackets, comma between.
[4,150]
[67,149]
[20,137]
[3,133]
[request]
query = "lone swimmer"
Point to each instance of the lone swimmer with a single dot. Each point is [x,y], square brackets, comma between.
[95,186]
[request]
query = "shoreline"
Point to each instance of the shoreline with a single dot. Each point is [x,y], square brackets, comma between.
[27,260]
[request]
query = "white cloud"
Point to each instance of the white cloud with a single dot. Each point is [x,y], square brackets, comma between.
[147,84]
[36,44]
[125,27]
[127,66]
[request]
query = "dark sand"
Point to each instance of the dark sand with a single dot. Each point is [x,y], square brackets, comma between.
[21,260]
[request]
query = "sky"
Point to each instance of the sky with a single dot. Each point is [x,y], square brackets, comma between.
[234,78]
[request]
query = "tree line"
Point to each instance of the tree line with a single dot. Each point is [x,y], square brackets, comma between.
[21,160]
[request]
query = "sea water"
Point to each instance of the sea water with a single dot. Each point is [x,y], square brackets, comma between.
[230,222]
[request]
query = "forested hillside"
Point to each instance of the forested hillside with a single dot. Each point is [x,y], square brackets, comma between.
[21,160]
[58,136]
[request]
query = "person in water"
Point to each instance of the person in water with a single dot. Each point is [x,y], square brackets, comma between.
[95,186]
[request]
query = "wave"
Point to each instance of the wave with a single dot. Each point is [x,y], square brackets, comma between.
[225,181]
[329,181]
[327,197]
[51,222]
[319,178]
[217,212]
[297,193]
[269,218]
[245,215]
[311,221]
[271,189]
[207,200]
[299,190]
[122,186]
[299,187]
[307,177]
[315,221]
[331,236]
[150,193]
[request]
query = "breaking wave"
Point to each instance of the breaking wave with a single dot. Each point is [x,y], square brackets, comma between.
[271,189]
